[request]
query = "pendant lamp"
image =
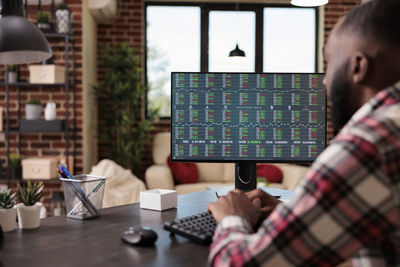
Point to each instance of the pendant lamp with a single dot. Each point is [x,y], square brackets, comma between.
[309,3]
[20,40]
[237,52]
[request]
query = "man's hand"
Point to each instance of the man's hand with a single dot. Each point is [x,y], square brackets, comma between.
[266,202]
[236,203]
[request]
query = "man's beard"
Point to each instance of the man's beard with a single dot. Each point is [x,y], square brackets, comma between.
[341,99]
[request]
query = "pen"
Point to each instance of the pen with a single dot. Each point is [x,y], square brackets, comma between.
[217,194]
[66,172]
[93,191]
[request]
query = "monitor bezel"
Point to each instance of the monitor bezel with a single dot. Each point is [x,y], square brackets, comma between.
[247,160]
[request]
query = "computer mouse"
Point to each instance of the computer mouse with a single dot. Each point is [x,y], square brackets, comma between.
[139,236]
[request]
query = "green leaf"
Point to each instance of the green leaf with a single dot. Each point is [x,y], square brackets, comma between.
[31,193]
[7,200]
[119,98]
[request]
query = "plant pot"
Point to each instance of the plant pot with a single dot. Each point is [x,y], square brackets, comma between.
[8,219]
[12,77]
[33,112]
[29,216]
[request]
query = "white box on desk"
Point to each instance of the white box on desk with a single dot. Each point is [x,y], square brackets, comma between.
[158,199]
[46,74]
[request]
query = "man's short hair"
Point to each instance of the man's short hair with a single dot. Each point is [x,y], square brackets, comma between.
[378,20]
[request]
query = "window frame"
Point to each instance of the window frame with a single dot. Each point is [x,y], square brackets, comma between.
[205,9]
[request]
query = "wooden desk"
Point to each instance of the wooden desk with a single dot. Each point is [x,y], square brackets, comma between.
[61,241]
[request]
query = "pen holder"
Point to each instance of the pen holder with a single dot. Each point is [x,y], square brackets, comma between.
[83,196]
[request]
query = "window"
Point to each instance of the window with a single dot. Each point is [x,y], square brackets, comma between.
[289,46]
[226,29]
[199,37]
[173,44]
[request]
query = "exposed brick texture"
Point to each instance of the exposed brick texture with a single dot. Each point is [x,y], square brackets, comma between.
[47,144]
[38,144]
[128,27]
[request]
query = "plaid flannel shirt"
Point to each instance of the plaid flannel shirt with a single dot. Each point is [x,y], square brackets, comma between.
[346,207]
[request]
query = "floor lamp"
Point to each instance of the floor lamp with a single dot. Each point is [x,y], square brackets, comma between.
[21,42]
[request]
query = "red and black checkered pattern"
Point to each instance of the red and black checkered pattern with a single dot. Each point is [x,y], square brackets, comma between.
[346,207]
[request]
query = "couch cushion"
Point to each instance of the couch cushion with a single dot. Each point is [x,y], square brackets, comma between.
[229,172]
[161,148]
[210,172]
[272,173]
[183,173]
[121,187]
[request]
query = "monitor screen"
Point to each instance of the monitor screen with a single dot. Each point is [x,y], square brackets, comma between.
[262,117]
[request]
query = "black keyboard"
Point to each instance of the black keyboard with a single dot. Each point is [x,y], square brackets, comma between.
[198,228]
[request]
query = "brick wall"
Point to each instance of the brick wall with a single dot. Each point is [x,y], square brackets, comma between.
[128,27]
[47,144]
[336,9]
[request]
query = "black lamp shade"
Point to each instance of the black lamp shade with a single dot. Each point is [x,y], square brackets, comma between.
[309,3]
[237,52]
[21,41]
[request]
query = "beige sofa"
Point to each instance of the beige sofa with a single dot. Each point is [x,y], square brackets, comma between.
[211,175]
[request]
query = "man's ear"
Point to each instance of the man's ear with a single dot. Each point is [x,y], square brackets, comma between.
[359,68]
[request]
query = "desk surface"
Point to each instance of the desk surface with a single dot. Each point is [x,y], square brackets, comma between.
[61,241]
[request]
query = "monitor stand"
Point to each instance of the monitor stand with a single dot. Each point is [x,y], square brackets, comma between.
[246,176]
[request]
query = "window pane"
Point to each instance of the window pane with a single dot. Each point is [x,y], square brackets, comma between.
[289,40]
[173,44]
[226,28]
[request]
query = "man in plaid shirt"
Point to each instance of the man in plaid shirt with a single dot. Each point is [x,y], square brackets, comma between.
[348,205]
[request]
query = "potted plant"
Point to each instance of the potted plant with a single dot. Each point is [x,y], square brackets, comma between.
[122,127]
[12,74]
[8,213]
[29,208]
[15,166]
[43,21]
[33,109]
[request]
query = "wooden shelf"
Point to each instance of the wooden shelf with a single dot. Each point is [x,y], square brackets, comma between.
[42,126]
[57,35]
[48,181]
[27,84]
[59,126]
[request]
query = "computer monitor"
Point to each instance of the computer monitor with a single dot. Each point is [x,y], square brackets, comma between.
[247,118]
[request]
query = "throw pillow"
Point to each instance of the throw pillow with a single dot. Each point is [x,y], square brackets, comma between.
[272,173]
[183,173]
